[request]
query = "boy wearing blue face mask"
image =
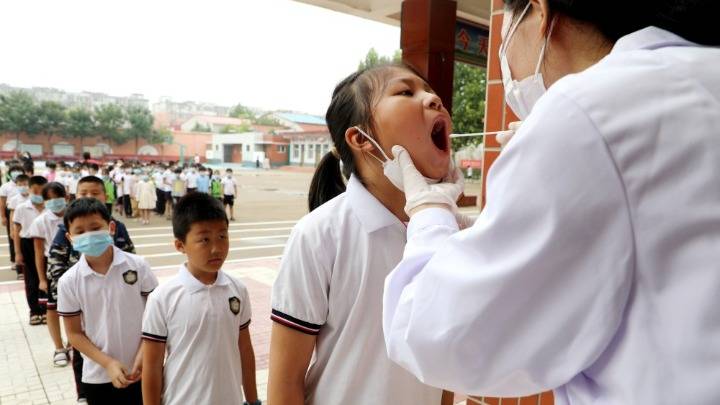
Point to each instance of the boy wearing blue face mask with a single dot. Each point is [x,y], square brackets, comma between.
[23,218]
[102,300]
[43,230]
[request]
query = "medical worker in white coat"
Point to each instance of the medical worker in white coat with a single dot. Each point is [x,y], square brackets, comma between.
[594,269]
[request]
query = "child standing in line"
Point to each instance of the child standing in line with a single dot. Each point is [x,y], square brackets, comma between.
[217,307]
[23,218]
[7,192]
[101,300]
[43,230]
[229,192]
[109,190]
[147,198]
[216,186]
[22,194]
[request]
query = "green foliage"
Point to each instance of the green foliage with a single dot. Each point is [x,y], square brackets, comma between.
[468,103]
[267,120]
[79,124]
[374,59]
[18,114]
[201,128]
[140,122]
[109,119]
[235,129]
[51,118]
[240,111]
[160,136]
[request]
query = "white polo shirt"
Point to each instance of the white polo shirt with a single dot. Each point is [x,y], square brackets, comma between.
[111,306]
[168,180]
[45,227]
[200,325]
[191,179]
[229,185]
[331,285]
[24,215]
[17,199]
[8,190]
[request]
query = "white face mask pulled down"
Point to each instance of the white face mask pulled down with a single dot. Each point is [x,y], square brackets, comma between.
[391,167]
[522,95]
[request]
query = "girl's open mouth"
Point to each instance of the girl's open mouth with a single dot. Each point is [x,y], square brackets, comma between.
[439,135]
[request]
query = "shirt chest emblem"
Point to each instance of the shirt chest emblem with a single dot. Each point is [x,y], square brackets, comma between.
[130,277]
[234,305]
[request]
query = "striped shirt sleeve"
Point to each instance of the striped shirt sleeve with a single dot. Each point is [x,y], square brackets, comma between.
[154,327]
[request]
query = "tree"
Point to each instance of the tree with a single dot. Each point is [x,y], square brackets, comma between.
[109,120]
[162,137]
[51,119]
[18,115]
[201,128]
[267,120]
[235,129]
[373,59]
[240,111]
[79,124]
[141,124]
[468,103]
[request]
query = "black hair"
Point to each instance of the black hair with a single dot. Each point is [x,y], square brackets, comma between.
[86,155]
[92,179]
[693,20]
[94,166]
[51,165]
[16,168]
[352,105]
[196,207]
[228,170]
[56,188]
[22,177]
[38,180]
[83,207]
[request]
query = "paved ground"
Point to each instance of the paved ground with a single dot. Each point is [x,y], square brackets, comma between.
[269,205]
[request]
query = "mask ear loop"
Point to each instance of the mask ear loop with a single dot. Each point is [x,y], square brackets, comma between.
[542,50]
[387,159]
[513,28]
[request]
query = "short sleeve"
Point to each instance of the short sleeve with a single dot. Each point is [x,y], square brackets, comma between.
[154,327]
[300,293]
[68,303]
[149,282]
[246,308]
[35,230]
[4,190]
[18,215]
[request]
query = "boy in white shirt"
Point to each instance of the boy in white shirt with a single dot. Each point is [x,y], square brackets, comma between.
[214,305]
[229,192]
[22,194]
[23,218]
[7,192]
[101,300]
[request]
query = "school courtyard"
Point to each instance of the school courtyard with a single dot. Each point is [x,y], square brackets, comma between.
[269,205]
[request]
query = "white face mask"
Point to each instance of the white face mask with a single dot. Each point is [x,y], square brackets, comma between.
[391,167]
[522,95]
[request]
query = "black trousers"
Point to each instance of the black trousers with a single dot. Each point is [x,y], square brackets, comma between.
[35,298]
[106,394]
[11,242]
[77,365]
[127,204]
[160,203]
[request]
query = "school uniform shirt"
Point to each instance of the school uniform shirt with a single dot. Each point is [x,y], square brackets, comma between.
[8,190]
[158,180]
[203,184]
[169,180]
[200,325]
[18,199]
[331,285]
[229,186]
[73,185]
[45,227]
[24,215]
[191,179]
[594,269]
[129,184]
[111,306]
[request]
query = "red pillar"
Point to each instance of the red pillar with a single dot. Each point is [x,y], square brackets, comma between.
[428,42]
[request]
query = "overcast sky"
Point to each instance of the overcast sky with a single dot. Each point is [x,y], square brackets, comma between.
[270,54]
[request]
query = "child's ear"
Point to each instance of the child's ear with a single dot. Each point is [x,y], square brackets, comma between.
[357,141]
[179,246]
[68,237]
[111,228]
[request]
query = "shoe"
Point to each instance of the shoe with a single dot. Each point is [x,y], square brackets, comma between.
[20,276]
[44,319]
[61,358]
[35,320]
[82,401]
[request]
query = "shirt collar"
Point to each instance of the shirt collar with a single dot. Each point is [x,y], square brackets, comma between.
[194,285]
[371,213]
[650,38]
[119,262]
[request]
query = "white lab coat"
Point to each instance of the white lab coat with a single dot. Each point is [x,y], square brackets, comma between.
[594,269]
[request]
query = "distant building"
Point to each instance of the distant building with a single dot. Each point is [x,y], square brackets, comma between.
[174,114]
[85,99]
[308,137]
[215,125]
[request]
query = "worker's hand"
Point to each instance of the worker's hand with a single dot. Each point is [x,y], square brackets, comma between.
[419,194]
[504,137]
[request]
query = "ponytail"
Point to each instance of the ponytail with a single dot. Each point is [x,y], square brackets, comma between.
[327,182]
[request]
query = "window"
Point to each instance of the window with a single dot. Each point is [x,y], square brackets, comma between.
[325,148]
[311,151]
[296,151]
[247,148]
[281,149]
